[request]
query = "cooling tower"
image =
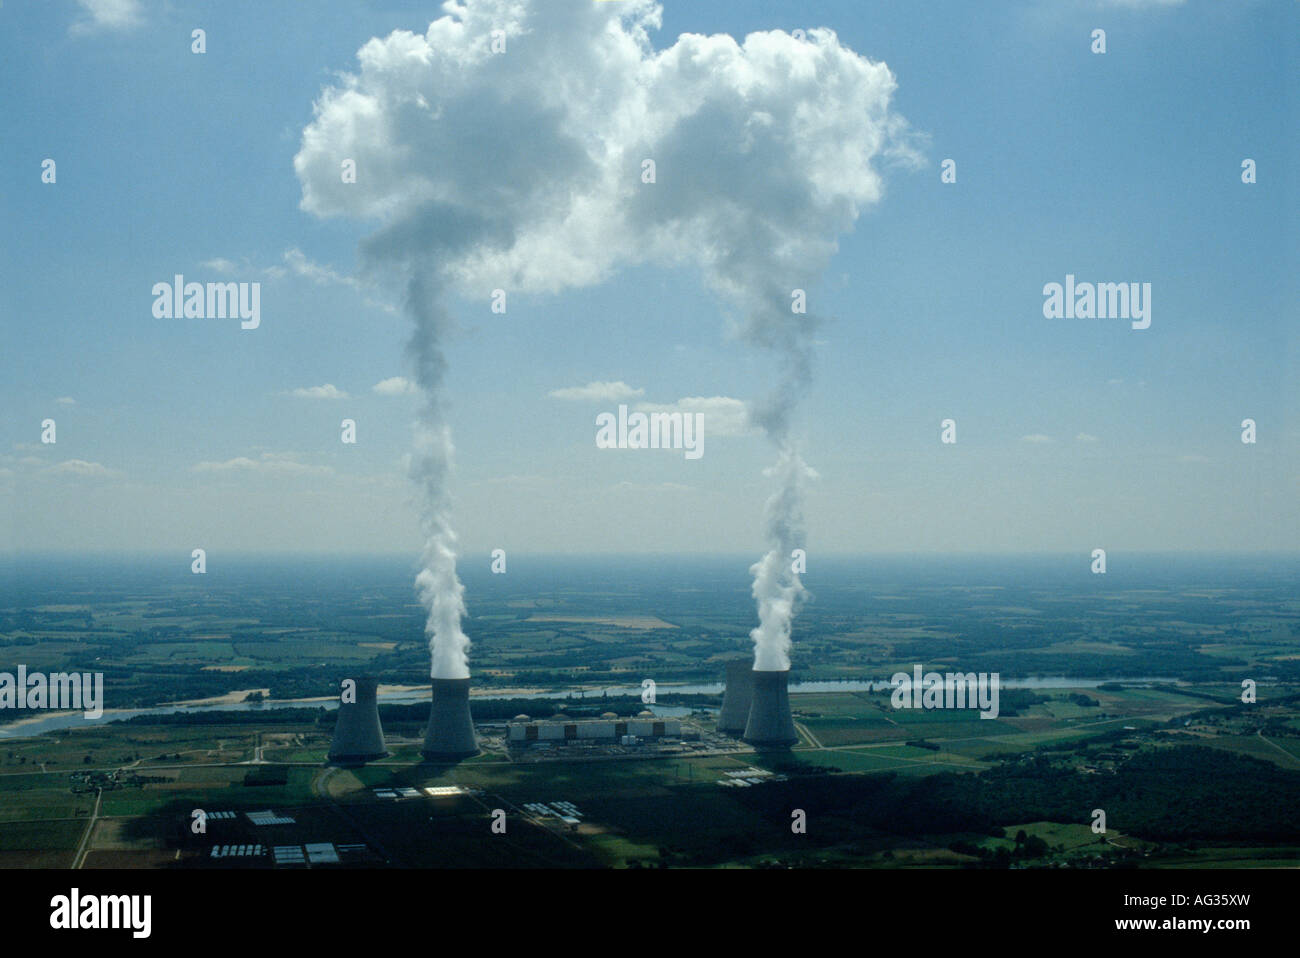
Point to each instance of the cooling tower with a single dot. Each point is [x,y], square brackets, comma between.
[358,736]
[770,724]
[451,730]
[737,696]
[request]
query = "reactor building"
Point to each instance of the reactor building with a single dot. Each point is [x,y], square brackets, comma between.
[609,728]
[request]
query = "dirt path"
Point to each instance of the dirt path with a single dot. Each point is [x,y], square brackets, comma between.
[79,859]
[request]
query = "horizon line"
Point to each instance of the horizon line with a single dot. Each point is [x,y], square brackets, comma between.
[9,555]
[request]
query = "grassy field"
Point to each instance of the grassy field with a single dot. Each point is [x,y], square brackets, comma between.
[635,813]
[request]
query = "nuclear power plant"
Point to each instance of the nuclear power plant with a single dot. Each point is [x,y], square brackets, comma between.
[451,730]
[770,724]
[358,736]
[736,696]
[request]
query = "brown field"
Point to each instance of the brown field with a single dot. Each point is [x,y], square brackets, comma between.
[37,858]
[110,837]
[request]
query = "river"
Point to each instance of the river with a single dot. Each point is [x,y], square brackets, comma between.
[55,721]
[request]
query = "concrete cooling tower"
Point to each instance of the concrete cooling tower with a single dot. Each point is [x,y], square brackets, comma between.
[736,696]
[451,730]
[358,736]
[770,724]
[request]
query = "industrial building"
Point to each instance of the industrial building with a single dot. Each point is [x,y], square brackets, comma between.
[608,728]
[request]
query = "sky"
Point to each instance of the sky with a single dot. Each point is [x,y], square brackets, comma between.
[1072,434]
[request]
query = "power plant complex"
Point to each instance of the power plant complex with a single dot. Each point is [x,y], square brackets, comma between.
[755,709]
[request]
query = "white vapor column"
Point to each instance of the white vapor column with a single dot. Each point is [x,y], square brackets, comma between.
[505,148]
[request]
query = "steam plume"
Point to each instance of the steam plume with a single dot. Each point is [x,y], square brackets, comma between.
[521,167]
[439,588]
[777,589]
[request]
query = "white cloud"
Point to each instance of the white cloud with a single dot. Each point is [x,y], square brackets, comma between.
[84,469]
[39,466]
[220,265]
[107,15]
[268,462]
[766,150]
[1085,437]
[1036,437]
[723,416]
[643,487]
[327,391]
[241,462]
[300,265]
[597,392]
[395,386]
[66,401]
[320,275]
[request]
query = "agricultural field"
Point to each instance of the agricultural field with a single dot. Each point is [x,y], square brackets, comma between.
[857,759]
[1141,712]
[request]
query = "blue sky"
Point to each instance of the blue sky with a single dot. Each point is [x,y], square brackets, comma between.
[1117,167]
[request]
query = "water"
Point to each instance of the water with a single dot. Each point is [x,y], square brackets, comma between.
[56,721]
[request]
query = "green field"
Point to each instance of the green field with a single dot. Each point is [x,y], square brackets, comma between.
[853,766]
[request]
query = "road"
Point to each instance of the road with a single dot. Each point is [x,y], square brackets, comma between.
[79,859]
[816,743]
[1260,733]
